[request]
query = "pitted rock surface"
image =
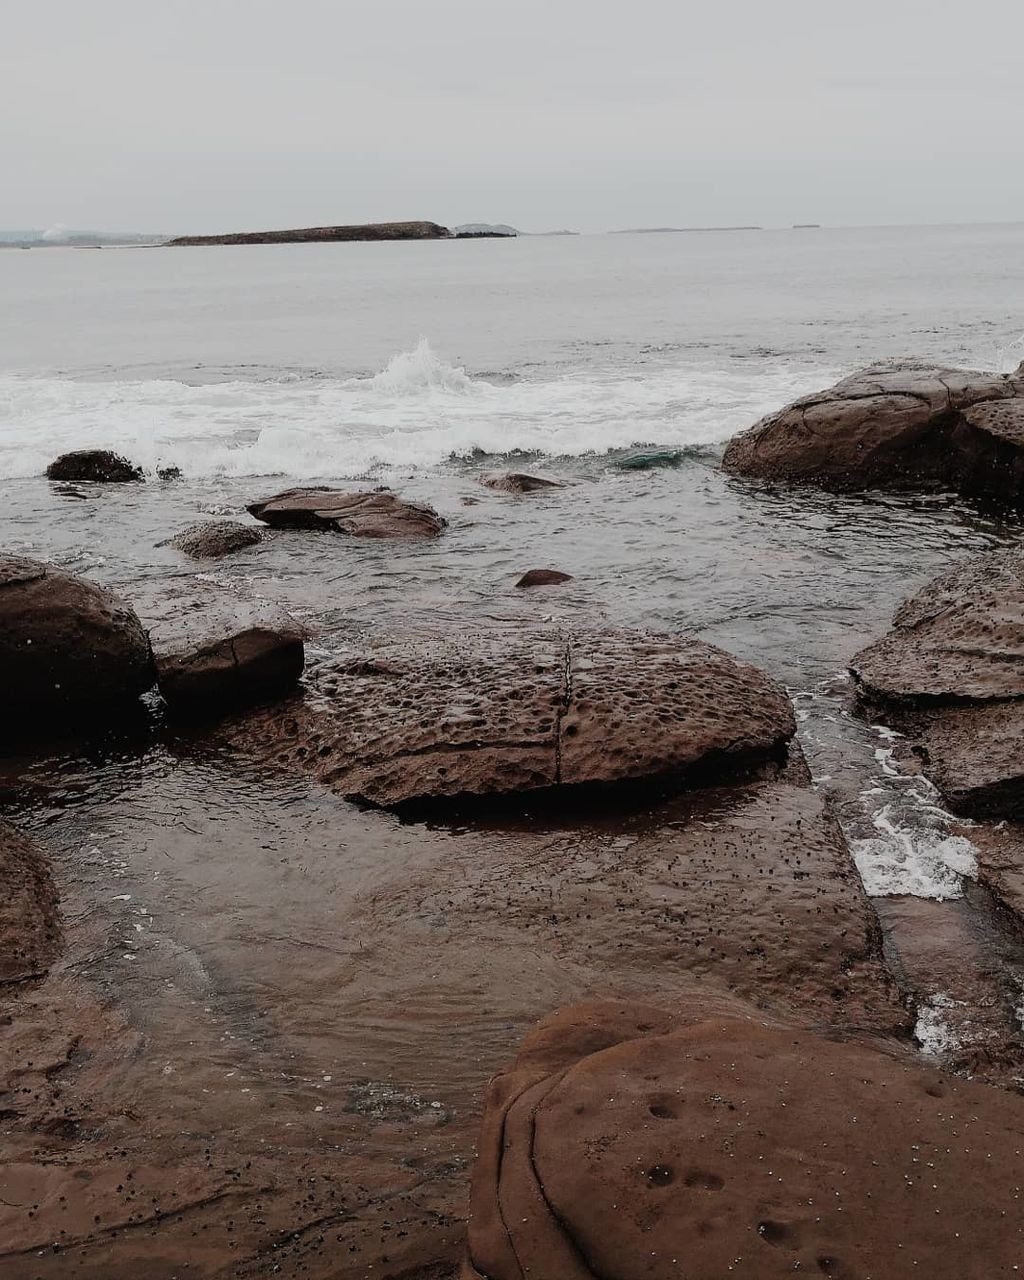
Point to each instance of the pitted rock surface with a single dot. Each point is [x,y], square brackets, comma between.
[215,650]
[896,426]
[726,1144]
[950,675]
[360,515]
[29,925]
[519,482]
[97,465]
[215,538]
[502,712]
[67,648]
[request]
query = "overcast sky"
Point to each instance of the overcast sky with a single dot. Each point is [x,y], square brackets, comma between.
[231,114]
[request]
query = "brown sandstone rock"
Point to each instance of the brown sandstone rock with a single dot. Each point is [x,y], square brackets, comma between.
[68,648]
[950,674]
[895,426]
[215,538]
[519,482]
[361,515]
[496,713]
[93,464]
[214,650]
[726,1145]
[543,578]
[29,927]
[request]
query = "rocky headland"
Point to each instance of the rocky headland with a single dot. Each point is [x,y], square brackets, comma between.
[320,235]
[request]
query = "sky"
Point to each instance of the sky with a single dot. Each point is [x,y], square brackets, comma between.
[229,115]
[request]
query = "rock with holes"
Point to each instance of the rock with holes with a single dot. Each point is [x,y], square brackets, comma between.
[543,578]
[497,712]
[215,538]
[896,426]
[98,465]
[950,675]
[628,1142]
[519,482]
[360,515]
[215,650]
[69,650]
[29,926]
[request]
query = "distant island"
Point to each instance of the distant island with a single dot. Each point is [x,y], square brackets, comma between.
[484,230]
[316,235]
[661,231]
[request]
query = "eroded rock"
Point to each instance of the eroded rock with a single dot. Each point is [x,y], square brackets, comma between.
[29,925]
[360,515]
[215,538]
[214,650]
[496,713]
[950,675]
[625,1142]
[896,426]
[68,648]
[519,482]
[98,465]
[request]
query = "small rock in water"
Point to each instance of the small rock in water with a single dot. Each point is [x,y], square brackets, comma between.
[214,538]
[361,515]
[649,459]
[98,465]
[543,578]
[519,482]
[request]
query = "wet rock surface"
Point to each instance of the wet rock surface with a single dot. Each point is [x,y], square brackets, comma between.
[360,515]
[950,676]
[29,925]
[68,649]
[728,1142]
[215,538]
[519,482]
[499,712]
[896,426]
[543,578]
[97,465]
[214,650]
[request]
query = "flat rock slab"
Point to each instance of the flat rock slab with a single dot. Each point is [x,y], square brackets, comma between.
[360,515]
[895,426]
[723,1145]
[499,712]
[950,675]
[98,465]
[215,538]
[214,650]
[67,648]
[29,925]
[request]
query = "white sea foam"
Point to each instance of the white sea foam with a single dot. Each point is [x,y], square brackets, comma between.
[935,1030]
[416,412]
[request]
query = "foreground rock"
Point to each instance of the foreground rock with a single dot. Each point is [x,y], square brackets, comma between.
[543,578]
[503,712]
[625,1142]
[950,675]
[305,235]
[98,465]
[519,482]
[215,651]
[360,515]
[896,426]
[215,538]
[29,927]
[68,649]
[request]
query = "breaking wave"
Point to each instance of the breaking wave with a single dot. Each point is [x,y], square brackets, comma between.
[418,411]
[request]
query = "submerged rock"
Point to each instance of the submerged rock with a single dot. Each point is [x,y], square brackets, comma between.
[215,538]
[543,578]
[68,649]
[498,712]
[626,1141]
[896,426]
[519,482]
[950,675]
[29,925]
[99,465]
[361,515]
[215,651]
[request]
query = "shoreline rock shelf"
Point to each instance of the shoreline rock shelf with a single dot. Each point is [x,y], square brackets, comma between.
[897,426]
